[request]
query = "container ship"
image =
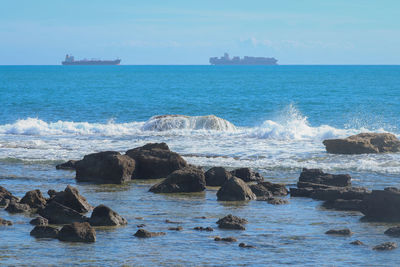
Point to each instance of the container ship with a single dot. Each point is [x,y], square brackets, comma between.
[226,60]
[70,60]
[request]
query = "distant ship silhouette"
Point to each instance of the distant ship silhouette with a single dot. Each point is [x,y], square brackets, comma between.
[226,60]
[70,60]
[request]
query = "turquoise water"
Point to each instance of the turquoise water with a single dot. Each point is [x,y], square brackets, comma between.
[274,117]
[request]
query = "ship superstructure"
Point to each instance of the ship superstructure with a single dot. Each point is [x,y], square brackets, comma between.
[226,60]
[70,60]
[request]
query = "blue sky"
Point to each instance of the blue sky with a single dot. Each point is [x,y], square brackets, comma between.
[189,32]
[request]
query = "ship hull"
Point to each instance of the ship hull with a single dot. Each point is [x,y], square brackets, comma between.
[91,62]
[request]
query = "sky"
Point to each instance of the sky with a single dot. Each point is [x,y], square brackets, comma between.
[189,32]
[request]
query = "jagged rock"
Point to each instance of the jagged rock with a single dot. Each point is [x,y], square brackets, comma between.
[52,193]
[77,232]
[232,222]
[235,189]
[39,221]
[343,204]
[188,179]
[275,189]
[244,245]
[57,213]
[357,243]
[393,231]
[142,233]
[382,205]
[5,194]
[260,191]
[363,143]
[69,165]
[71,198]
[225,239]
[15,207]
[247,175]
[178,228]
[105,167]
[104,216]
[200,228]
[5,222]
[317,176]
[4,203]
[43,231]
[344,232]
[217,176]
[385,246]
[155,160]
[34,199]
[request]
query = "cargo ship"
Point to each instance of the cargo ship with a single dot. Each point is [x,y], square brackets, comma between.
[226,60]
[70,60]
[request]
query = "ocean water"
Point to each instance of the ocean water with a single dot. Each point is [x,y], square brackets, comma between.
[270,118]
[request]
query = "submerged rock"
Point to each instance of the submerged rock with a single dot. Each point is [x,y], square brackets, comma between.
[43,231]
[244,245]
[69,165]
[57,213]
[382,205]
[343,204]
[71,198]
[232,222]
[277,201]
[188,179]
[363,143]
[217,176]
[178,228]
[104,216]
[39,221]
[357,243]
[77,232]
[225,239]
[200,228]
[235,189]
[142,233]
[5,222]
[105,167]
[34,199]
[15,207]
[155,160]
[247,175]
[385,246]
[393,231]
[344,232]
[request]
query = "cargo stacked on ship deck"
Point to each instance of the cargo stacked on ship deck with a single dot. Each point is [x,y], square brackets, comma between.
[70,60]
[226,60]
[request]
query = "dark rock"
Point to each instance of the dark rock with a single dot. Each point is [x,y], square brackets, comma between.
[5,194]
[317,176]
[155,160]
[333,193]
[142,233]
[385,246]
[57,213]
[69,165]
[382,205]
[247,175]
[5,222]
[104,216]
[15,207]
[301,192]
[393,231]
[357,243]
[34,199]
[4,203]
[277,201]
[275,189]
[105,167]
[200,228]
[235,189]
[217,176]
[140,225]
[225,239]
[260,191]
[188,179]
[232,222]
[52,193]
[244,245]
[179,228]
[344,232]
[71,198]
[343,204]
[363,143]
[39,221]
[43,231]
[77,232]
[169,221]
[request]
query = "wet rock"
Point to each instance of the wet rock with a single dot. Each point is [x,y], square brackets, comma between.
[57,213]
[188,179]
[393,231]
[301,192]
[244,245]
[217,176]
[5,222]
[343,232]
[140,225]
[69,165]
[179,228]
[5,194]
[155,160]
[385,246]
[39,221]
[4,203]
[232,222]
[34,199]
[105,167]
[363,143]
[357,243]
[260,191]
[275,189]
[15,207]
[71,198]
[317,176]
[333,193]
[142,233]
[225,239]
[52,193]
[247,175]
[200,228]
[104,216]
[235,189]
[382,205]
[277,201]
[343,204]
[77,232]
[174,222]
[43,231]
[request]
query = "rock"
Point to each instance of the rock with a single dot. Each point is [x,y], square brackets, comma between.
[43,231]
[357,243]
[105,167]
[34,199]
[363,143]
[155,160]
[301,192]
[393,231]
[77,232]
[232,222]
[15,207]
[69,165]
[333,193]
[4,203]
[247,175]
[343,204]
[52,193]
[169,221]
[277,201]
[317,176]
[5,194]
[188,179]
[382,205]
[235,189]
[385,246]
[260,191]
[39,221]
[5,222]
[140,225]
[142,233]
[71,198]
[217,176]
[200,228]
[344,232]
[275,189]
[179,228]
[57,213]
[225,239]
[104,216]
[244,245]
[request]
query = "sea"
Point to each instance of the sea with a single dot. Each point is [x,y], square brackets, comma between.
[269,118]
